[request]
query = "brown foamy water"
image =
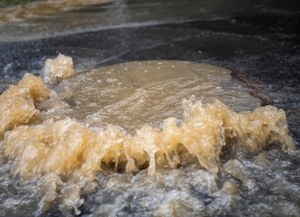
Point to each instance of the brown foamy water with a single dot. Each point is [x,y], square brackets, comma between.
[150,115]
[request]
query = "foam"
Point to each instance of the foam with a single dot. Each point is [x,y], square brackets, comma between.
[63,149]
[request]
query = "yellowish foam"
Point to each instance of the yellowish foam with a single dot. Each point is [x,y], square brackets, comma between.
[17,103]
[58,69]
[68,149]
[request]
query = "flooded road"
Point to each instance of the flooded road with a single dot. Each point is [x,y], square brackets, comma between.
[69,17]
[154,56]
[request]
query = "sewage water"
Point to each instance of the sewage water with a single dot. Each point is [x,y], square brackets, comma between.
[44,173]
[135,93]
[149,138]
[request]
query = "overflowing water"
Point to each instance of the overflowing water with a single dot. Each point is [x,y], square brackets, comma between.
[150,138]
[132,94]
[128,139]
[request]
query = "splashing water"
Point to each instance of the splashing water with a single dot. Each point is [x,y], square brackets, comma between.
[127,118]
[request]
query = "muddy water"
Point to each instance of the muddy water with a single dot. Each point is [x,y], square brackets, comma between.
[41,173]
[182,157]
[132,94]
